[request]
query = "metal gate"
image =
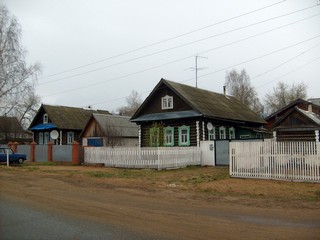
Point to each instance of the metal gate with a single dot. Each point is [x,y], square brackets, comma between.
[222,152]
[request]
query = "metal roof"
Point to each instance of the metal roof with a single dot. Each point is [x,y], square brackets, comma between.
[44,126]
[311,115]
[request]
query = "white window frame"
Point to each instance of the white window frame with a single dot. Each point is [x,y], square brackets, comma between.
[184,138]
[45,118]
[46,138]
[70,137]
[41,138]
[222,133]
[212,134]
[168,136]
[232,133]
[167,102]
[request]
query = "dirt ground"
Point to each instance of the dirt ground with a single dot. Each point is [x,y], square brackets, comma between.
[191,203]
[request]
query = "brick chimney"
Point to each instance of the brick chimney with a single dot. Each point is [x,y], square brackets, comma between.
[309,106]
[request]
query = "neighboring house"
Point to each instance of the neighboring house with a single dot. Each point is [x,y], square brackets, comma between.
[12,131]
[68,123]
[175,114]
[297,121]
[315,101]
[110,130]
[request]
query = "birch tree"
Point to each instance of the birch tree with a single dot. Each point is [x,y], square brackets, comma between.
[283,94]
[17,78]
[239,86]
[133,103]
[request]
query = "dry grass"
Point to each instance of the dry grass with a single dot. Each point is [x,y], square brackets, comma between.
[205,181]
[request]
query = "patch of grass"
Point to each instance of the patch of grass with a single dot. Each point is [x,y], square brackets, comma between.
[31,168]
[100,174]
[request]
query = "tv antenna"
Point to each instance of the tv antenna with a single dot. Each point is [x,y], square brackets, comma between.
[196,68]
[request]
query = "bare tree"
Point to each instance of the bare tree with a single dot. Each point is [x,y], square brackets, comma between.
[133,103]
[17,79]
[283,94]
[239,86]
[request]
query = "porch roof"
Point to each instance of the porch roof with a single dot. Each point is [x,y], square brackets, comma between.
[44,126]
[167,115]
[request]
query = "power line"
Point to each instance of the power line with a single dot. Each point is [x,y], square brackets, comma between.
[294,70]
[175,47]
[253,59]
[226,68]
[285,62]
[178,60]
[165,40]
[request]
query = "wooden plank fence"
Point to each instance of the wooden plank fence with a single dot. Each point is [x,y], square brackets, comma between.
[296,161]
[157,158]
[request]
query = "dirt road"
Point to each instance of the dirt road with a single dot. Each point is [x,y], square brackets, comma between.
[166,212]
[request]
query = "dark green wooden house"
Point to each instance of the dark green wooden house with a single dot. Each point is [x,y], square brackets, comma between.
[175,114]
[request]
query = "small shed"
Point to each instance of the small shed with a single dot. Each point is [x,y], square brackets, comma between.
[110,130]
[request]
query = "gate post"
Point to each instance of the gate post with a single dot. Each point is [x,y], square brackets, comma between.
[50,151]
[32,151]
[75,153]
[15,146]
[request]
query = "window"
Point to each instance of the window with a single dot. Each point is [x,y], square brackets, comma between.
[46,137]
[244,136]
[70,137]
[232,133]
[167,102]
[184,136]
[154,137]
[169,136]
[212,134]
[45,118]
[40,138]
[222,133]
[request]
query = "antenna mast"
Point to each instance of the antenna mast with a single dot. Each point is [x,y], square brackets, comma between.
[197,68]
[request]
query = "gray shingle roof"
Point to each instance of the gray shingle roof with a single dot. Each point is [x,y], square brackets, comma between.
[211,104]
[69,117]
[121,124]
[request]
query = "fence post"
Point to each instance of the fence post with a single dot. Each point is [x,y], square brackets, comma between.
[32,151]
[50,151]
[15,146]
[10,144]
[75,152]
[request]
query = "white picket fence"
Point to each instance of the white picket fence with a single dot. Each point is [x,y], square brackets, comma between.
[158,158]
[296,161]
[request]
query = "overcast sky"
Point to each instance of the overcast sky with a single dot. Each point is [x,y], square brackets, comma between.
[96,52]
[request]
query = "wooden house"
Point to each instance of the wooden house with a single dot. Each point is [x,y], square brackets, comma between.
[175,114]
[298,121]
[66,123]
[12,131]
[110,130]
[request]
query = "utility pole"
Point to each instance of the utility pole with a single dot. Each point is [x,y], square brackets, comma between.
[197,68]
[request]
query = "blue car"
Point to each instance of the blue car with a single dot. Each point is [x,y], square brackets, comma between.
[13,157]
